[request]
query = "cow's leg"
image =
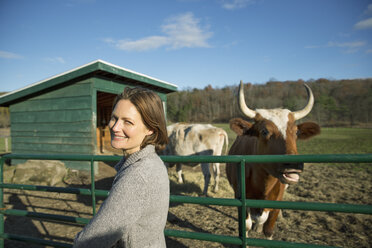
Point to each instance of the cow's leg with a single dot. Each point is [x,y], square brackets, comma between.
[207,177]
[216,175]
[259,220]
[269,225]
[179,173]
[248,223]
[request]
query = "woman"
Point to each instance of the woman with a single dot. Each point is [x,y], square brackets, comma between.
[135,212]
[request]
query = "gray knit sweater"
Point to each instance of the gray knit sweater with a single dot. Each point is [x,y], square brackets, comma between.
[135,212]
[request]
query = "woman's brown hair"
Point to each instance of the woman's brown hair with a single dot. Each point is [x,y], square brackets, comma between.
[150,106]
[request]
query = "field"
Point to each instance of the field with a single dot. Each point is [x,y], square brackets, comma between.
[4,138]
[334,183]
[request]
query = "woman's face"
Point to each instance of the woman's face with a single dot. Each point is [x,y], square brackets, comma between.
[127,128]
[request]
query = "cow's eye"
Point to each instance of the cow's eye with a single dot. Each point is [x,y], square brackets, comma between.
[265,132]
[298,132]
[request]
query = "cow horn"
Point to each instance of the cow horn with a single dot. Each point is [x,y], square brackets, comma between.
[242,105]
[306,110]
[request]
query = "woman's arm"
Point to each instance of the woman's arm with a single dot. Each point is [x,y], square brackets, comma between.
[118,212]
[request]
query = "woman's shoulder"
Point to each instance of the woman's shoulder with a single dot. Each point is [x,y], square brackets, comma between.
[152,161]
[145,162]
[152,166]
[149,155]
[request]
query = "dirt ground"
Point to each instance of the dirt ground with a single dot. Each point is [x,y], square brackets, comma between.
[319,183]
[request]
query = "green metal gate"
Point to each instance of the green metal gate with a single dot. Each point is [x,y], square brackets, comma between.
[240,203]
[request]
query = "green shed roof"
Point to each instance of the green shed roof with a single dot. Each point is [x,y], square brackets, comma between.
[98,68]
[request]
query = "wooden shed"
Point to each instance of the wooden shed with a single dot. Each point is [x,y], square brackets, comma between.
[69,113]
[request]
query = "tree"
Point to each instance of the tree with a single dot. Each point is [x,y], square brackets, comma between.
[337,102]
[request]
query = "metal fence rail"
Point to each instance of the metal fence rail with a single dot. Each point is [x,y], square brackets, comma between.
[241,203]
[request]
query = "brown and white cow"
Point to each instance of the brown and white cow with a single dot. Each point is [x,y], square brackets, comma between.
[273,132]
[197,139]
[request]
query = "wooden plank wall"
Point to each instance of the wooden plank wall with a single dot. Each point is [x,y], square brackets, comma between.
[57,122]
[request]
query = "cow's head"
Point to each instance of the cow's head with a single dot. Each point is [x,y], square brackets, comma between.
[276,133]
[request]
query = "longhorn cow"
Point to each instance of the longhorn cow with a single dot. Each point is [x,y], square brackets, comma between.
[197,139]
[273,131]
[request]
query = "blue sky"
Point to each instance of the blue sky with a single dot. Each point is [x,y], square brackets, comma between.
[190,43]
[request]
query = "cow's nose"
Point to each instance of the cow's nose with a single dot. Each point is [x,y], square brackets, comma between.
[294,166]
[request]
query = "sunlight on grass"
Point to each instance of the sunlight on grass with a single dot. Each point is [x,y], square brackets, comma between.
[2,145]
[330,141]
[337,141]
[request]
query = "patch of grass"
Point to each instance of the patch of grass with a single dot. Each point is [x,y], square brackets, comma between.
[2,144]
[330,141]
[230,133]
[338,141]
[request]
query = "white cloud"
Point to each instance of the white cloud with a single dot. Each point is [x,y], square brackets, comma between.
[365,24]
[9,55]
[185,31]
[348,47]
[369,51]
[236,4]
[55,60]
[355,44]
[108,40]
[178,32]
[369,9]
[148,43]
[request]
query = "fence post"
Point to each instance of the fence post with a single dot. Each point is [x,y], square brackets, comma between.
[93,186]
[1,202]
[242,210]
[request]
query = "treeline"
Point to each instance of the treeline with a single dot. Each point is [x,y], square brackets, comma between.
[337,102]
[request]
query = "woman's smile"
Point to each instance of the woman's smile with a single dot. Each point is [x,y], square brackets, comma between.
[127,128]
[118,137]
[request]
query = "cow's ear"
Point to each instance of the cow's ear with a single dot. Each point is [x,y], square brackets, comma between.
[239,126]
[307,130]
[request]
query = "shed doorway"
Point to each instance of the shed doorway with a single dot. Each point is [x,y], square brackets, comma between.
[104,107]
